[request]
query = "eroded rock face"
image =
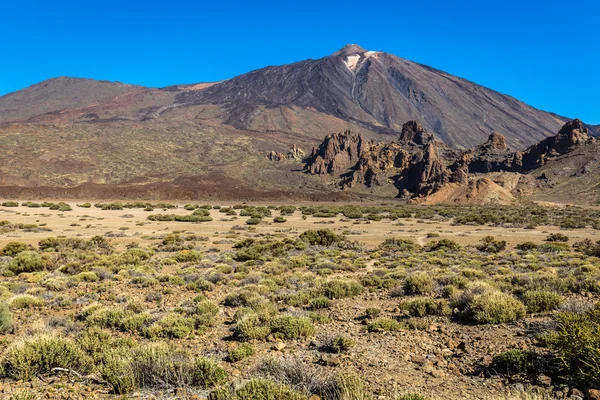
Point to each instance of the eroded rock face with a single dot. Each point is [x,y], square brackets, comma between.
[418,165]
[339,151]
[412,131]
[414,165]
[571,135]
[491,156]
[294,154]
[425,173]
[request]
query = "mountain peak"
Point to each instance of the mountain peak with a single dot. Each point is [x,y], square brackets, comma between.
[349,50]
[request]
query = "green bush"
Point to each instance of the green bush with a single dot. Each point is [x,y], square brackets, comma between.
[289,327]
[27,261]
[250,327]
[425,306]
[14,248]
[240,352]
[384,324]
[494,307]
[261,389]
[576,342]
[321,237]
[541,300]
[490,245]
[170,326]
[444,244]
[557,237]
[339,344]
[29,357]
[279,220]
[156,365]
[254,221]
[188,256]
[338,289]
[21,301]
[515,362]
[6,321]
[412,396]
[418,283]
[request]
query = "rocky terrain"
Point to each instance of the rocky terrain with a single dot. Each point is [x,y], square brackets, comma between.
[298,302]
[418,166]
[69,137]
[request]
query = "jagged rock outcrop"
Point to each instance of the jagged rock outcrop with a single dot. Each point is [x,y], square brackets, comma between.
[412,131]
[426,172]
[339,151]
[491,156]
[413,165]
[418,165]
[572,134]
[294,154]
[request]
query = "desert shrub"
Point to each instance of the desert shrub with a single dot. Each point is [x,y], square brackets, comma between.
[26,358]
[188,256]
[337,344]
[372,312]
[576,341]
[207,373]
[240,352]
[170,326]
[398,245]
[321,237]
[526,246]
[444,244]
[425,306]
[250,327]
[10,204]
[279,220]
[267,390]
[27,261]
[490,245]
[516,362]
[541,300]
[84,205]
[266,249]
[24,395]
[384,324]
[412,396]
[338,289]
[494,307]
[117,371]
[557,237]
[25,301]
[289,327]
[14,248]
[319,303]
[253,221]
[158,365]
[349,386]
[6,321]
[418,283]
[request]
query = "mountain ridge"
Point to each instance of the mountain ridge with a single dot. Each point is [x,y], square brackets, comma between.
[68,135]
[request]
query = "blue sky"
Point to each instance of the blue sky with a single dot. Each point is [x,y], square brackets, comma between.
[544,52]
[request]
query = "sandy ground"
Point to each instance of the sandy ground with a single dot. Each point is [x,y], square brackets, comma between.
[132,225]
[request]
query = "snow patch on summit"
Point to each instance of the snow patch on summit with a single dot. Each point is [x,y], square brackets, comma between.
[352,61]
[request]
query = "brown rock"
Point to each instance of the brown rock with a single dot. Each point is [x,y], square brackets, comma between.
[593,394]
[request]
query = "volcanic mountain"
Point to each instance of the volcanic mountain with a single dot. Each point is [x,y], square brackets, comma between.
[381,92]
[71,137]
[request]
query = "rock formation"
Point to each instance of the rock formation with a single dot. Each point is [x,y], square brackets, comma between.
[418,165]
[294,154]
[571,135]
[338,152]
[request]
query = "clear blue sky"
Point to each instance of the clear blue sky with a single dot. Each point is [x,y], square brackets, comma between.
[544,52]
